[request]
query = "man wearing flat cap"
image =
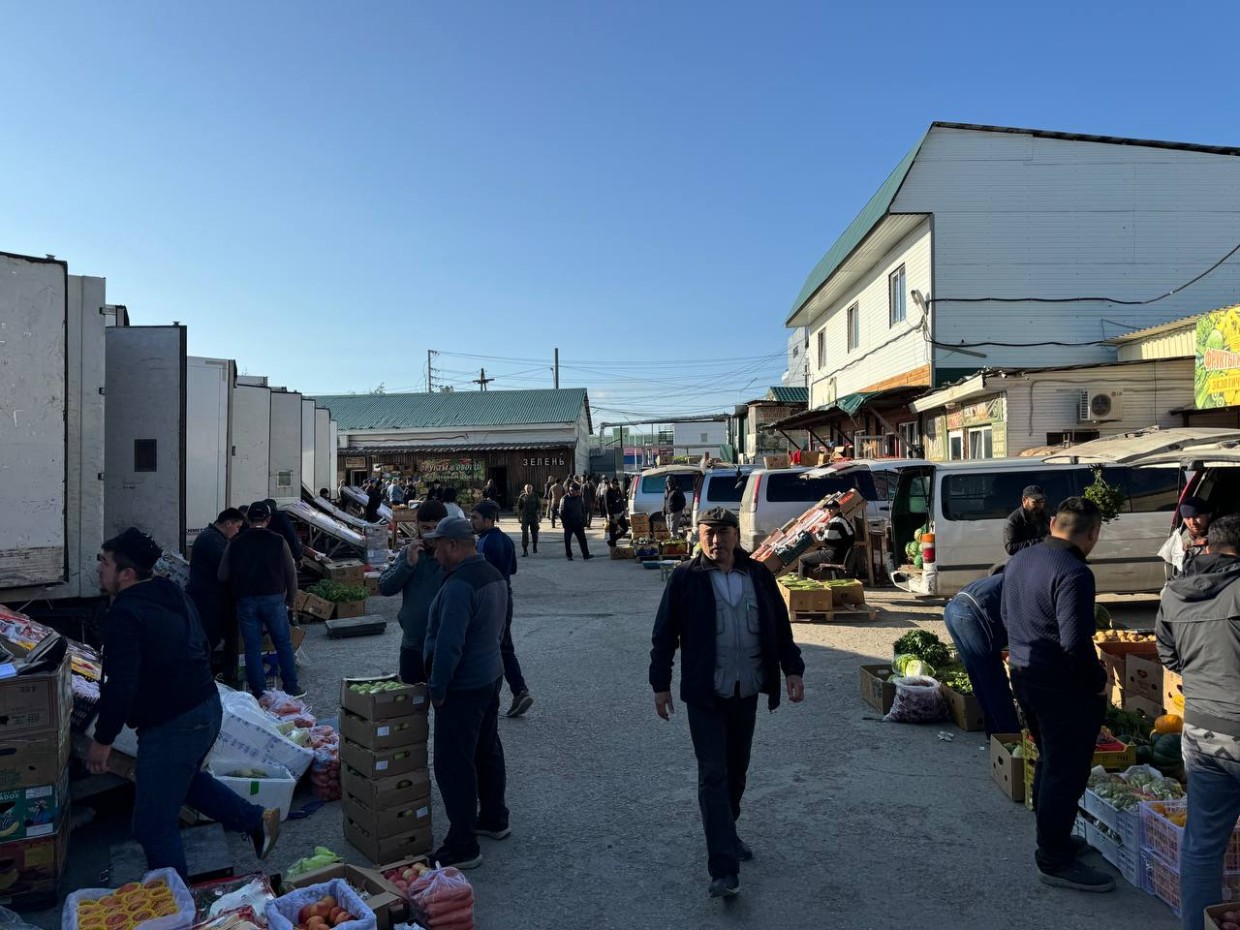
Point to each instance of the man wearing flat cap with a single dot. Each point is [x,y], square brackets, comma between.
[1028,524]
[465,672]
[157,679]
[1190,540]
[722,610]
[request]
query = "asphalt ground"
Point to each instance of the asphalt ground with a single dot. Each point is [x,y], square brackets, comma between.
[855,823]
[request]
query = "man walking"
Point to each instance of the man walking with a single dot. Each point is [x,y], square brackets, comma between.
[466,672]
[555,495]
[529,512]
[416,577]
[573,516]
[157,679]
[495,546]
[1198,631]
[588,493]
[724,612]
[673,505]
[1048,610]
[1027,525]
[974,621]
[259,568]
[615,505]
[207,592]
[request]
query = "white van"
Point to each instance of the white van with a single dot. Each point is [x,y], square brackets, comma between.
[721,486]
[965,506]
[646,491]
[773,496]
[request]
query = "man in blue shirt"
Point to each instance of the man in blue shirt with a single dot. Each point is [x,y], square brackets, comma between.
[494,544]
[975,626]
[1048,610]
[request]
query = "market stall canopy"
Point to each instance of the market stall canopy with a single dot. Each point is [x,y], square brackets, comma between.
[848,405]
[1140,444]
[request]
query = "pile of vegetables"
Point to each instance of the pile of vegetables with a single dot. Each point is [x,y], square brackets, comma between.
[1139,783]
[957,679]
[912,551]
[376,687]
[924,645]
[338,593]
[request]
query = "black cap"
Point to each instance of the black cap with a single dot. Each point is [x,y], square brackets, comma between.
[258,511]
[1194,507]
[1034,491]
[137,547]
[719,516]
[488,510]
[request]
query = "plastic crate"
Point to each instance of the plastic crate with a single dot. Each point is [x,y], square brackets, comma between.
[1127,859]
[1163,838]
[1125,823]
[1163,880]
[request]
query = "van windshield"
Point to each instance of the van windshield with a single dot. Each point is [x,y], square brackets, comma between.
[655,484]
[790,486]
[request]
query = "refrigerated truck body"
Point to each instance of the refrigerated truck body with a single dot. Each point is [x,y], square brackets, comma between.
[324,455]
[209,442]
[284,468]
[251,443]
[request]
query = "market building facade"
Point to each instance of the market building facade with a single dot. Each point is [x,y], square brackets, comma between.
[464,438]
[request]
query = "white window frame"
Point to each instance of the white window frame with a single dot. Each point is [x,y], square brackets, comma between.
[955,436]
[897,297]
[987,438]
[852,322]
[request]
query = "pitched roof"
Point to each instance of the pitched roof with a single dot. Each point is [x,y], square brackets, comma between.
[454,408]
[788,395]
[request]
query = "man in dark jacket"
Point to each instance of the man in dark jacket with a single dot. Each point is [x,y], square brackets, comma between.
[280,523]
[416,577]
[529,513]
[615,505]
[374,499]
[495,546]
[157,679]
[573,516]
[259,569]
[589,491]
[724,612]
[1027,525]
[673,505]
[1198,631]
[1048,610]
[205,590]
[974,621]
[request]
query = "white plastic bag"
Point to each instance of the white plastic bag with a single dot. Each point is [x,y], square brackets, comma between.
[919,699]
[181,920]
[282,912]
[248,737]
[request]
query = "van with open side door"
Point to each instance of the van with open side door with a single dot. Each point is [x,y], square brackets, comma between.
[646,491]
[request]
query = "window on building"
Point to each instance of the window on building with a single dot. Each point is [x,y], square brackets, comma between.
[144,458]
[703,439]
[908,437]
[955,445]
[981,443]
[822,347]
[896,297]
[853,319]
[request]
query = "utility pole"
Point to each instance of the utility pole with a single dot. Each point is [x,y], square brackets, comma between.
[557,369]
[482,380]
[430,386]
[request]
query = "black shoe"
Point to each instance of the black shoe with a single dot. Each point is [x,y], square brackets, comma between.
[521,702]
[500,833]
[569,557]
[743,852]
[586,558]
[524,553]
[1079,846]
[729,886]
[443,859]
[1078,877]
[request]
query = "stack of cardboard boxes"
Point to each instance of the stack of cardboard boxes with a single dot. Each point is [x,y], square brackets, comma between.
[383,770]
[35,713]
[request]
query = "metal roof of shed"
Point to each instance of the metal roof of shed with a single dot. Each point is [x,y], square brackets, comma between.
[455,409]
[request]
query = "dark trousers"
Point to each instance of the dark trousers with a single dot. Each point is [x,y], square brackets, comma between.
[1064,719]
[981,649]
[571,530]
[722,737]
[528,530]
[169,775]
[508,652]
[615,528]
[412,668]
[469,766]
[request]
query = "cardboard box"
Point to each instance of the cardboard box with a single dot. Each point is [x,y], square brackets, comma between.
[1173,692]
[119,764]
[34,759]
[346,609]
[317,607]
[405,516]
[383,763]
[1214,914]
[34,811]
[396,733]
[30,869]
[1143,677]
[36,703]
[640,524]
[1151,709]
[621,552]
[384,822]
[386,849]
[965,709]
[296,636]
[1114,659]
[774,461]
[386,705]
[348,572]
[381,896]
[371,583]
[876,689]
[394,791]
[1007,772]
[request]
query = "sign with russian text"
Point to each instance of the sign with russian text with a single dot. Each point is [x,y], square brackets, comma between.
[1216,381]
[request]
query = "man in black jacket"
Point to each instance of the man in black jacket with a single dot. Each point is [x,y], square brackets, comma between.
[280,523]
[615,504]
[208,593]
[673,505]
[724,613]
[1027,525]
[573,516]
[157,679]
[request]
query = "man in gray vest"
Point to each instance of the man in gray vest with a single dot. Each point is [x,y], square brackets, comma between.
[723,611]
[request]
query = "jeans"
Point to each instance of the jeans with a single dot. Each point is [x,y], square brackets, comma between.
[169,774]
[1064,719]
[981,650]
[579,531]
[254,614]
[508,652]
[528,530]
[469,766]
[674,519]
[1213,807]
[722,737]
[412,669]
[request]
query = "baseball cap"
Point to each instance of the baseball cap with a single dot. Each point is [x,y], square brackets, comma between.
[1034,491]
[1194,507]
[136,546]
[489,510]
[719,516]
[451,528]
[258,511]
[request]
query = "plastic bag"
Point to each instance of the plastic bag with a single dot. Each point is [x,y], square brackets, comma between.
[249,736]
[322,857]
[919,699]
[224,895]
[10,920]
[282,912]
[447,897]
[183,919]
[325,770]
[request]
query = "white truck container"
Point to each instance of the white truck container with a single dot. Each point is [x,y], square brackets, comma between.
[251,442]
[209,440]
[324,454]
[51,429]
[308,447]
[284,468]
[144,477]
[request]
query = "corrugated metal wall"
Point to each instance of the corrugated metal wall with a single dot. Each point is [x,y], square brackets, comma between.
[1174,344]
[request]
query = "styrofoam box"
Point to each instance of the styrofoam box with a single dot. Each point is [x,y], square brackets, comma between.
[276,790]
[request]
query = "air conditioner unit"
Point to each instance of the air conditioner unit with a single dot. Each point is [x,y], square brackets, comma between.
[1100,404]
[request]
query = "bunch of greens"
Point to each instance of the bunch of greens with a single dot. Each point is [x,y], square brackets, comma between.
[338,593]
[926,646]
[1109,498]
[956,678]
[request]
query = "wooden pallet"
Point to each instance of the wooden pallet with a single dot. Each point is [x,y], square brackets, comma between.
[866,614]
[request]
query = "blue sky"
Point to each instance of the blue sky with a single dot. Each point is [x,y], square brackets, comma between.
[325,191]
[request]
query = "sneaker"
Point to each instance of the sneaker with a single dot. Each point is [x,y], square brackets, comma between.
[299,693]
[743,852]
[501,834]
[1078,877]
[1079,845]
[265,837]
[520,704]
[442,858]
[586,558]
[728,886]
